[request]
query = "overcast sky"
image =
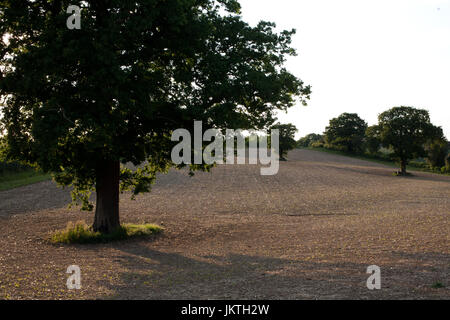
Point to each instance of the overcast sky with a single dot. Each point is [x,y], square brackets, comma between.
[364,56]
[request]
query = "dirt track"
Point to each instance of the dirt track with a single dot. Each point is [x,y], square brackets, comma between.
[309,232]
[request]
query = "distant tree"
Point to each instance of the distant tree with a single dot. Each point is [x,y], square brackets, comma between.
[373,142]
[79,103]
[309,139]
[437,148]
[405,130]
[346,132]
[287,138]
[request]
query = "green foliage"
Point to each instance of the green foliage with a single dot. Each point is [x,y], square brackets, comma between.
[438,285]
[419,164]
[437,149]
[346,133]
[287,138]
[436,153]
[309,140]
[372,140]
[447,164]
[14,174]
[405,130]
[318,144]
[14,179]
[136,70]
[81,233]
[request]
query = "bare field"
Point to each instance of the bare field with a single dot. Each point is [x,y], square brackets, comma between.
[309,232]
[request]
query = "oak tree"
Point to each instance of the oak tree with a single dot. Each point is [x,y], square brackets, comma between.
[405,130]
[346,132]
[81,102]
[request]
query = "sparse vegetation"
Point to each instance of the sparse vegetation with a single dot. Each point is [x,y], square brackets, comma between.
[81,233]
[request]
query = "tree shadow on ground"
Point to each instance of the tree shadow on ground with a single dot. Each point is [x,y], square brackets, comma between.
[152,274]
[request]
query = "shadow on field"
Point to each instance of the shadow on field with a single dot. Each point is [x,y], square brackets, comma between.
[154,274]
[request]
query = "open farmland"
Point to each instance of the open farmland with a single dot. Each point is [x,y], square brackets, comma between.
[309,232]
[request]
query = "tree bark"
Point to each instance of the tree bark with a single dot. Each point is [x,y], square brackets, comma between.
[106,218]
[403,166]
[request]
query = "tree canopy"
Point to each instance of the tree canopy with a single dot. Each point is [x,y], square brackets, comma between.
[309,139]
[406,130]
[437,148]
[287,138]
[80,102]
[346,132]
[372,139]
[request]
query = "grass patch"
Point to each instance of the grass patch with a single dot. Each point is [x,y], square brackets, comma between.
[438,285]
[81,233]
[10,180]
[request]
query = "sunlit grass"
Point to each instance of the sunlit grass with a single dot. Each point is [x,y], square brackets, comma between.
[81,233]
[12,180]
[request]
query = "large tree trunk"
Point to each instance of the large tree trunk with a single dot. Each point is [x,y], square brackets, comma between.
[106,218]
[403,166]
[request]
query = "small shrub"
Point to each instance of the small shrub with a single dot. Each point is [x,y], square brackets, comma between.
[317,144]
[335,147]
[437,285]
[81,233]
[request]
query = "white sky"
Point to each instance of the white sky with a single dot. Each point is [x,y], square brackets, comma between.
[364,56]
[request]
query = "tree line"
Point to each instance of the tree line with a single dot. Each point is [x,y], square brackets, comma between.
[401,134]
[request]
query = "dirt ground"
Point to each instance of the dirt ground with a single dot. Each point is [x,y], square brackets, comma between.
[309,232]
